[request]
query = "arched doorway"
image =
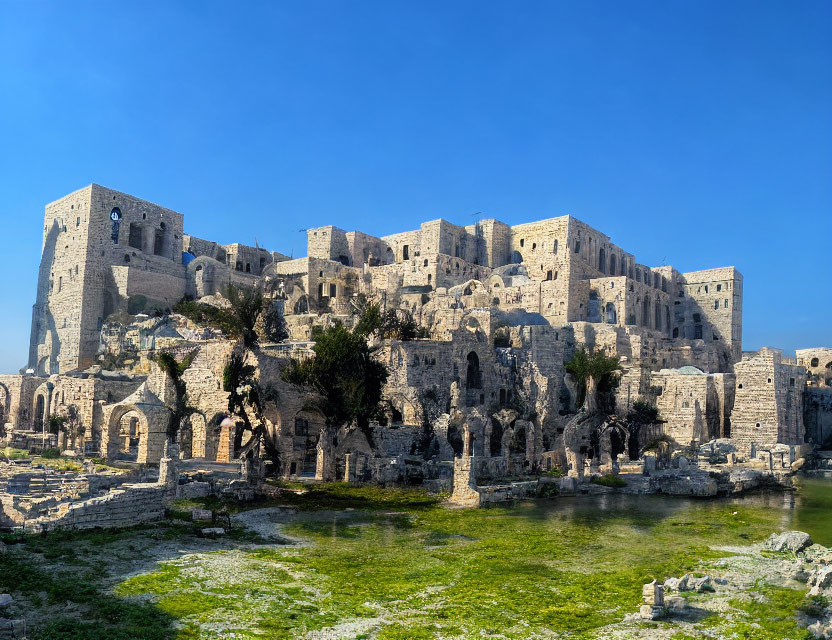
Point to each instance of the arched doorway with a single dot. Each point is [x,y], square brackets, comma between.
[129,434]
[473,377]
[126,434]
[306,432]
[40,409]
[609,313]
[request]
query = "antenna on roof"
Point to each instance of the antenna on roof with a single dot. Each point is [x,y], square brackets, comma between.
[256,244]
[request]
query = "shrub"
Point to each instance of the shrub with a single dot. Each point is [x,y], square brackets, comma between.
[654,443]
[609,480]
[555,472]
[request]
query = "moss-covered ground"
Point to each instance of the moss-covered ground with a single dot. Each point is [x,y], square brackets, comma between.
[397,564]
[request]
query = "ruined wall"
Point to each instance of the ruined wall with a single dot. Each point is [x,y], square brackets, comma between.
[768,405]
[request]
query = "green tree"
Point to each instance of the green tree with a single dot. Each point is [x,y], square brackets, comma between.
[240,381]
[345,374]
[592,370]
[175,370]
[246,306]
[642,414]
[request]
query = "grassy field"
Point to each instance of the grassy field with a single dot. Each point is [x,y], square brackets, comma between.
[396,564]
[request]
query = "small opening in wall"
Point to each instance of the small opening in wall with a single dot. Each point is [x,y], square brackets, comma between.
[769,380]
[739,386]
[522,241]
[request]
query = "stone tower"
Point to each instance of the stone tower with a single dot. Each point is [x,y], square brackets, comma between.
[103,251]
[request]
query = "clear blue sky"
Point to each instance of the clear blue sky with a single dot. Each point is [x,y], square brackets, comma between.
[696,133]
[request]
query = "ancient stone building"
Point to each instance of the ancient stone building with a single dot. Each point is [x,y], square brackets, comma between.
[504,307]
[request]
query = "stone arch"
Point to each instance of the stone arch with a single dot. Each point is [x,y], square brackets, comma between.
[306,427]
[516,257]
[814,362]
[198,435]
[118,442]
[301,305]
[39,411]
[610,316]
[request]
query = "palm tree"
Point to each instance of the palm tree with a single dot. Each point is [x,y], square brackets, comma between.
[175,370]
[590,368]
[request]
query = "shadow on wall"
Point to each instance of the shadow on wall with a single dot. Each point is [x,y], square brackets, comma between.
[42,313]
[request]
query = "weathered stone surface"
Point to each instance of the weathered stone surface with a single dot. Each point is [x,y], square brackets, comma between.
[793,541]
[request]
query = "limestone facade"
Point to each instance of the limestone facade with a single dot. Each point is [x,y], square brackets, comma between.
[504,308]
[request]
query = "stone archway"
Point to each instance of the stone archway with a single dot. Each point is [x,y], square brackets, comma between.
[126,434]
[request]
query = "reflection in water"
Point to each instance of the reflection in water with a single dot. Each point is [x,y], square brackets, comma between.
[809,509]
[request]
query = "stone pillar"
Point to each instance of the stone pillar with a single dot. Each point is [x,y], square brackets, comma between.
[465,482]
[225,447]
[349,468]
[653,606]
[168,474]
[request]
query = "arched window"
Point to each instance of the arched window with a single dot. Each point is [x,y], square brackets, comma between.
[612,264]
[609,313]
[555,248]
[602,260]
[815,362]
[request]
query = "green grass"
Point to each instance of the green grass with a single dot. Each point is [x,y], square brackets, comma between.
[14,454]
[609,480]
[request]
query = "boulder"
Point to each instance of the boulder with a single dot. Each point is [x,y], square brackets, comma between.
[702,585]
[793,541]
[671,584]
[5,600]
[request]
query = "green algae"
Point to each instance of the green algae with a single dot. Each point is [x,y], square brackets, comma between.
[572,566]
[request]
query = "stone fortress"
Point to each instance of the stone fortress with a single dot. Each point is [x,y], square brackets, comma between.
[504,308]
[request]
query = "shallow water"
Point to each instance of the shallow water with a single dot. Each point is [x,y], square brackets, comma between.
[808,509]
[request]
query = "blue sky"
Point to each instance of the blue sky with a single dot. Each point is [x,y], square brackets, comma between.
[693,133]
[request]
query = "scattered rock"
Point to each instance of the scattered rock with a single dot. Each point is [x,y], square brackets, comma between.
[213,532]
[820,580]
[820,630]
[671,584]
[793,541]
[702,584]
